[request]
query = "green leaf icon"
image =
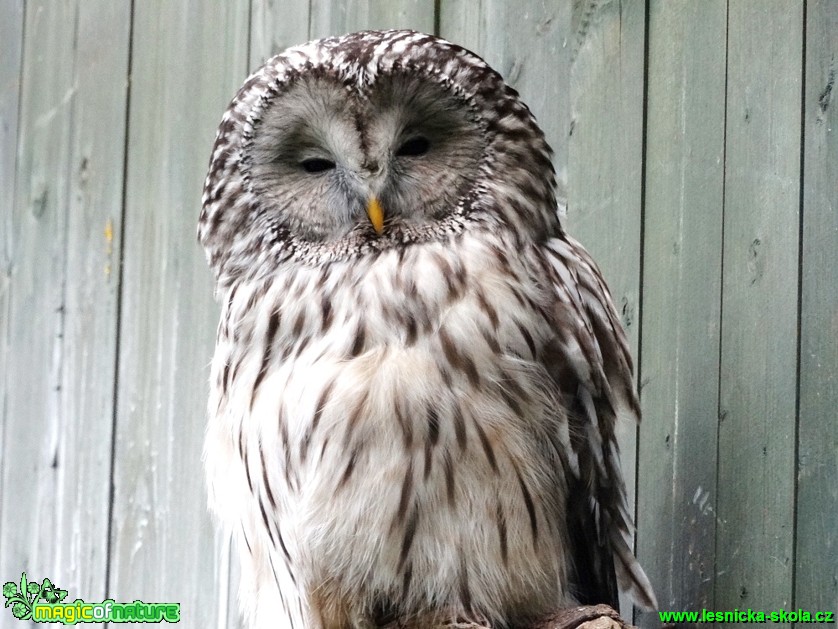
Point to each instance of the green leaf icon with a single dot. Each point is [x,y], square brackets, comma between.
[19,601]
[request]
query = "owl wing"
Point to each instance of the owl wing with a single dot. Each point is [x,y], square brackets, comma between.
[590,363]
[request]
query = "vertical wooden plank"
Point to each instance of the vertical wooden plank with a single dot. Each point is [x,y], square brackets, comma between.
[37,255]
[527,43]
[816,583]
[163,543]
[337,18]
[275,26]
[759,306]
[11,50]
[605,155]
[94,220]
[682,257]
[63,294]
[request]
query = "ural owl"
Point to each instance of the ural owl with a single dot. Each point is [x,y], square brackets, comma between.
[417,372]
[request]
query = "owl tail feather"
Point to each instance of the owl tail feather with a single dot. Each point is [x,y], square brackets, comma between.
[630,575]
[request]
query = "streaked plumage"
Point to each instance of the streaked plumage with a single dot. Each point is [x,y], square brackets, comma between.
[416,423]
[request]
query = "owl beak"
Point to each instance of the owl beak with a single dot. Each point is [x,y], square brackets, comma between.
[376,214]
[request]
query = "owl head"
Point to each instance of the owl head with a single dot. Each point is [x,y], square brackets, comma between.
[351,145]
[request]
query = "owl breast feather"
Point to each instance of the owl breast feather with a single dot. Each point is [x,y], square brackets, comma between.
[396,432]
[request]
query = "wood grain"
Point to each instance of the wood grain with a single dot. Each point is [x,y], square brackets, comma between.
[11,74]
[60,366]
[754,559]
[816,574]
[682,260]
[336,18]
[274,26]
[163,544]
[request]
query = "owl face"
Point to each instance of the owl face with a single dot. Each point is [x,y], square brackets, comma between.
[330,159]
[348,146]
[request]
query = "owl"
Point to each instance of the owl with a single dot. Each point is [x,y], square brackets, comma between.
[417,372]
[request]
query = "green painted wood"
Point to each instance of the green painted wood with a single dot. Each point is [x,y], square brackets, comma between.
[275,26]
[526,43]
[60,365]
[816,576]
[164,546]
[682,256]
[94,219]
[337,18]
[755,497]
[605,154]
[11,48]
[35,242]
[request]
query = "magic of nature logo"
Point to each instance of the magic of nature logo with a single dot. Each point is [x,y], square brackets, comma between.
[44,602]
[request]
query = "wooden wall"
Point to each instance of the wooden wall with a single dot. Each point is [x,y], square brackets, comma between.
[697,146]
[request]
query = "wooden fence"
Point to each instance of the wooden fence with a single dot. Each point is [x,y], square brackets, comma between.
[698,142]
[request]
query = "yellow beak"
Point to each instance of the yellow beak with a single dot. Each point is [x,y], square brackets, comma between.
[376,214]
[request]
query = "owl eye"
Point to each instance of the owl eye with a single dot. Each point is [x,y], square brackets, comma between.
[317,165]
[414,147]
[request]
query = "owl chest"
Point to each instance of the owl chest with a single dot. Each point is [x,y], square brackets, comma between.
[406,466]
[432,380]
[419,436]
[400,387]
[396,442]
